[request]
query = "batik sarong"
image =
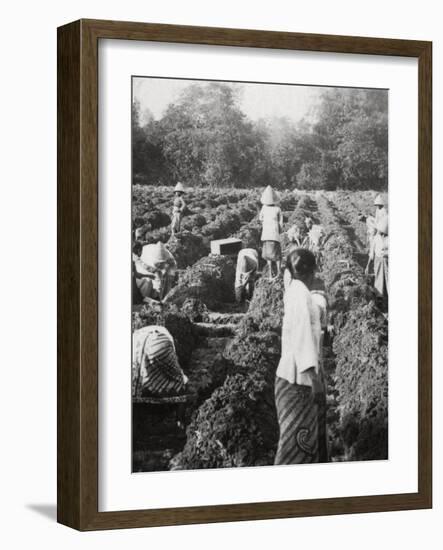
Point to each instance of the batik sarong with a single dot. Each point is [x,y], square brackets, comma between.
[298,421]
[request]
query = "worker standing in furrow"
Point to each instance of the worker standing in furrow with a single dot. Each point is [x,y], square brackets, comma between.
[272,226]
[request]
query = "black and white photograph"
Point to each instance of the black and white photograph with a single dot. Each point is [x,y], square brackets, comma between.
[260,279]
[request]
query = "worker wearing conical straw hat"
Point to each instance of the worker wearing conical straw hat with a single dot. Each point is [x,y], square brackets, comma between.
[379,254]
[272,226]
[269,196]
[160,266]
[178,208]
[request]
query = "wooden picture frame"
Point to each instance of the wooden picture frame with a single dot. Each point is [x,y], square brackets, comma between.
[78,274]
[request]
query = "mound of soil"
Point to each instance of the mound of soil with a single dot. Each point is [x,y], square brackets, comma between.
[361,349]
[210,280]
[156,219]
[195,310]
[250,235]
[187,248]
[266,306]
[207,370]
[251,351]
[234,427]
[195,220]
[237,425]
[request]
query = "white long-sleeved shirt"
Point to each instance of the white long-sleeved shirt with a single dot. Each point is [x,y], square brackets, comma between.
[301,335]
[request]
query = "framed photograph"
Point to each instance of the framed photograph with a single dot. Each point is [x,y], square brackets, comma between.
[244,274]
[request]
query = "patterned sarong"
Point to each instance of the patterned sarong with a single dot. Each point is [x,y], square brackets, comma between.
[298,420]
[155,363]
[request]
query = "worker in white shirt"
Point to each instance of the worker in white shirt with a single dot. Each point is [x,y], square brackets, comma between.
[178,208]
[316,237]
[245,274]
[299,384]
[379,255]
[271,218]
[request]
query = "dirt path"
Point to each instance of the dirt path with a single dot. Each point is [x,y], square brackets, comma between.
[360,249]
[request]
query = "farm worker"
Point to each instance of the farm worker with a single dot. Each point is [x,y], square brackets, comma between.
[321,303]
[308,223]
[294,235]
[299,384]
[139,232]
[245,273]
[380,208]
[315,238]
[142,276]
[178,208]
[155,365]
[378,254]
[371,230]
[161,263]
[272,225]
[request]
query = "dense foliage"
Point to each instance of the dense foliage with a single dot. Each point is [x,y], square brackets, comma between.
[210,280]
[350,140]
[205,139]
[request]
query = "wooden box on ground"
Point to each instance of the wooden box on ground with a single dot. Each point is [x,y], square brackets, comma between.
[226,247]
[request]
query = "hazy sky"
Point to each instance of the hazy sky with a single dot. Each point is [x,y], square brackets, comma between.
[256,100]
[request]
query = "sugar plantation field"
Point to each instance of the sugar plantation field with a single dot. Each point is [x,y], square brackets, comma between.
[230,353]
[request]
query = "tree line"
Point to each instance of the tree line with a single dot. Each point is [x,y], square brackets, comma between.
[205,139]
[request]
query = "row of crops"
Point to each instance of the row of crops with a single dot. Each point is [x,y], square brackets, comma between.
[231,419]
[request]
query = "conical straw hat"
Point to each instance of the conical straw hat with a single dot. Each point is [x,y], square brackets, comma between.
[269,196]
[160,253]
[379,201]
[179,187]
